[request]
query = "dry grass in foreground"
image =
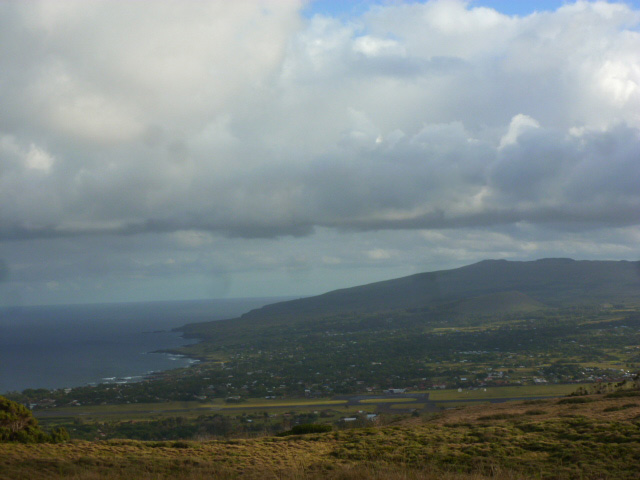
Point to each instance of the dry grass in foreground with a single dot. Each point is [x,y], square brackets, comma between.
[590,437]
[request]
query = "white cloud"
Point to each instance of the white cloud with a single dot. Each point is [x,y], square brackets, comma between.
[380,254]
[193,121]
[38,159]
[519,124]
[373,47]
[192,239]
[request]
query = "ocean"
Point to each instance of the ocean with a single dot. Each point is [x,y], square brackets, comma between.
[68,346]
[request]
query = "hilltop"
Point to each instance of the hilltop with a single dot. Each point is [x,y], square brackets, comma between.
[487,286]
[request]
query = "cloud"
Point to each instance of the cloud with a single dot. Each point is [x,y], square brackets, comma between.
[380,254]
[197,121]
[519,124]
[152,111]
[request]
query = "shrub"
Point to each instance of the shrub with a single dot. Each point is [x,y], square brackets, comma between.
[18,425]
[623,393]
[180,444]
[60,435]
[498,416]
[573,400]
[623,407]
[306,428]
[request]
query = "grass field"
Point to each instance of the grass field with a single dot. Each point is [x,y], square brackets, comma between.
[526,391]
[387,400]
[588,438]
[137,410]
[405,406]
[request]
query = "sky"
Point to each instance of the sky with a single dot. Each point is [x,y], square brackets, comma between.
[181,150]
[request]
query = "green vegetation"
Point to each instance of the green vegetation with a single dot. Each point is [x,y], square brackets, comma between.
[408,405]
[387,400]
[17,424]
[514,392]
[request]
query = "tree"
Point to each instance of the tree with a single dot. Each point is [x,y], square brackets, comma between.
[17,424]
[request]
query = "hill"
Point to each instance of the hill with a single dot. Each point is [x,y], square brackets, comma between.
[493,304]
[587,437]
[490,285]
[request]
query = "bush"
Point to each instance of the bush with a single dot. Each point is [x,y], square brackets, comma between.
[623,393]
[535,412]
[623,407]
[573,400]
[18,425]
[306,428]
[499,416]
[60,435]
[180,444]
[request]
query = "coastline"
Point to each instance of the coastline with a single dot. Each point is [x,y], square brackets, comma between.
[72,346]
[147,364]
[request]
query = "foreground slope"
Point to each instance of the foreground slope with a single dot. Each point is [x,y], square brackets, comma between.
[587,437]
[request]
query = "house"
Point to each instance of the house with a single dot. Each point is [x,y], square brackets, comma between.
[395,390]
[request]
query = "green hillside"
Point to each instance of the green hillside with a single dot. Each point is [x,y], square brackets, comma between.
[493,304]
[503,284]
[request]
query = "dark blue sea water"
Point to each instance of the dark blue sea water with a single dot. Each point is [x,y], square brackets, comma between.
[68,346]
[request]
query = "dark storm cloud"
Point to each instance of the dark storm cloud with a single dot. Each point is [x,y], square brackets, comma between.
[439,178]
